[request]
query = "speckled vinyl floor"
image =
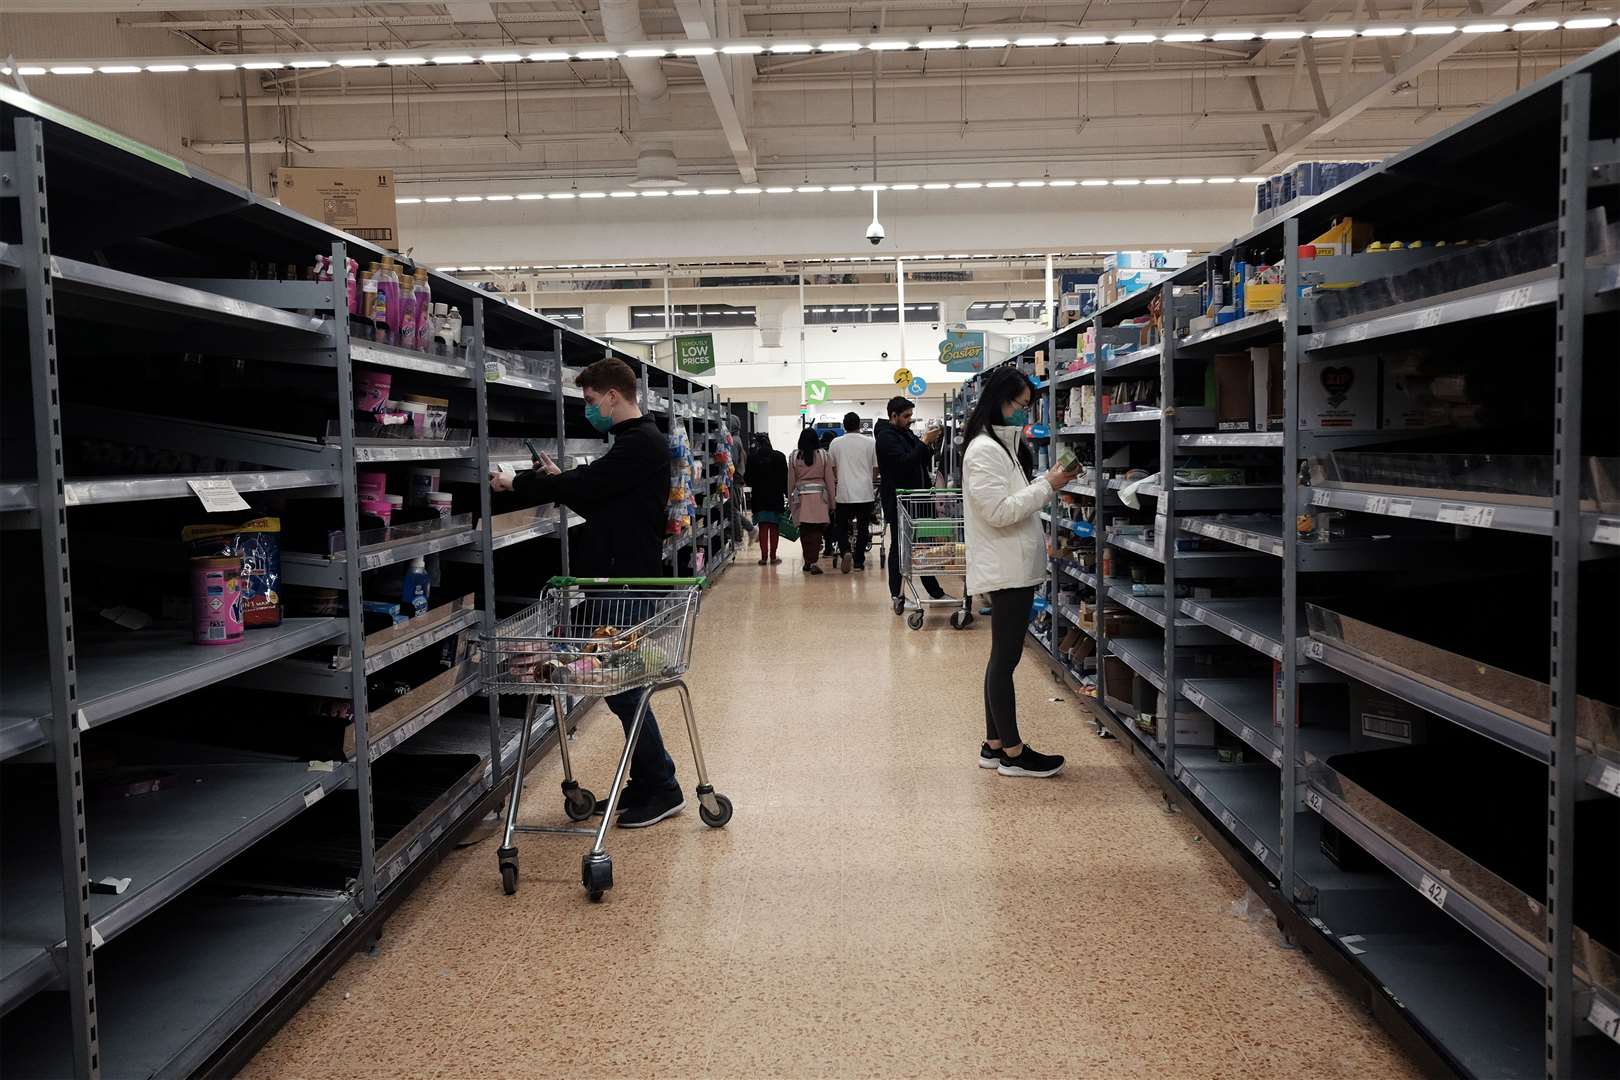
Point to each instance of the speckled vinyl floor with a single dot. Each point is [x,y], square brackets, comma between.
[879,906]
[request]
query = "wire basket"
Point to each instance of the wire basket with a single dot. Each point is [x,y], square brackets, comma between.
[593,641]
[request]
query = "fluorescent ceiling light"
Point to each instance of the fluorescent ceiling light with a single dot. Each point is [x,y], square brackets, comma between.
[592,195]
[530,196]
[260,65]
[358,62]
[1062,183]
[717,191]
[1234,35]
[162,69]
[1189,179]
[501,58]
[654,193]
[1433,31]
[1334,32]
[405,61]
[562,195]
[841,187]
[936,185]
[903,187]
[988,43]
[1586,24]
[1385,31]
[939,43]
[459,59]
[469,198]
[1531,26]
[72,69]
[840,46]
[1085,39]
[497,198]
[119,69]
[1221,180]
[1035,42]
[1135,39]
[791,47]
[1093,183]
[1177,38]
[1158,181]
[548,56]
[1125,182]
[1283,35]
[1251,179]
[739,50]
[684,192]
[777,190]
[1032,183]
[217,67]
[810,189]
[967,185]
[437,199]
[739,191]
[300,64]
[888,46]
[407,200]
[999,184]
[623,194]
[874,187]
[645,54]
[601,54]
[695,50]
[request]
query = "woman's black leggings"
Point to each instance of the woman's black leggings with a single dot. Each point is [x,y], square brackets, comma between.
[1009,620]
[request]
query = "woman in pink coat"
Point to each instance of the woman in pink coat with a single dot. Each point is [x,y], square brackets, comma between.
[812,492]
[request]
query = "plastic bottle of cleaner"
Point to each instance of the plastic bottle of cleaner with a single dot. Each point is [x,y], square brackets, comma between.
[414,598]
[388,290]
[379,311]
[424,307]
[351,285]
[450,332]
[405,335]
[436,321]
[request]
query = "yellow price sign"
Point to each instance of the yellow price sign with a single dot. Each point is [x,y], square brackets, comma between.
[902,377]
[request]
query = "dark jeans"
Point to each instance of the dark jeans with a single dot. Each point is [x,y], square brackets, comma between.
[1009,620]
[650,766]
[930,585]
[856,518]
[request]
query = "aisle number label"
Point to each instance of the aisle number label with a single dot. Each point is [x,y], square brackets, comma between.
[1313,800]
[1435,891]
[1314,650]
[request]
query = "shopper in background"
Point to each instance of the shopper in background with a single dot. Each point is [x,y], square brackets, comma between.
[767,479]
[812,490]
[854,458]
[1006,555]
[624,498]
[906,463]
[829,535]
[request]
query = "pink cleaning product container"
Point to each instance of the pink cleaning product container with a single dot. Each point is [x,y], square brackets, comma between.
[216,600]
[371,390]
[378,506]
[372,483]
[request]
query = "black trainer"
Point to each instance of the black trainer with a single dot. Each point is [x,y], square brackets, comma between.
[652,809]
[1030,762]
[988,758]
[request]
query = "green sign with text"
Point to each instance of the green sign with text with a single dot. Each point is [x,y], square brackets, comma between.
[694,354]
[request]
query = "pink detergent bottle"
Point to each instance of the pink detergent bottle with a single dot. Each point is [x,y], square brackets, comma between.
[388,294]
[424,307]
[352,284]
[405,336]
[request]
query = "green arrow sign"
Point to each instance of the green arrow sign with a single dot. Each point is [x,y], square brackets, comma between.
[815,391]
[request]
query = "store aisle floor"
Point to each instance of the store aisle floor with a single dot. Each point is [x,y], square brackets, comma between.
[879,906]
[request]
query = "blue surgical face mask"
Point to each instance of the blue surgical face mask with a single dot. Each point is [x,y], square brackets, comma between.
[1018,418]
[597,419]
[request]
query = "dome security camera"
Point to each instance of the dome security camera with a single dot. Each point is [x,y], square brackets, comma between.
[885,356]
[874,232]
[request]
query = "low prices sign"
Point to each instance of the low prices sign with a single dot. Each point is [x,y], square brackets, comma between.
[694,354]
[962,350]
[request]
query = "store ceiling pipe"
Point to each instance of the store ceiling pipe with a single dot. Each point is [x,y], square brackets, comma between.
[655,157]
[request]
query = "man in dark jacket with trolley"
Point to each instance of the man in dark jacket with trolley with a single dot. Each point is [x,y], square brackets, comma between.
[624,498]
[904,461]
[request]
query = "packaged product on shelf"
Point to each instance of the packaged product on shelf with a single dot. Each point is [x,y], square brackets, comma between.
[405,335]
[216,599]
[377,506]
[379,311]
[381,614]
[414,590]
[256,544]
[1234,392]
[429,415]
[396,503]
[1267,361]
[424,482]
[371,391]
[371,482]
[449,335]
[1338,394]
[423,294]
[389,293]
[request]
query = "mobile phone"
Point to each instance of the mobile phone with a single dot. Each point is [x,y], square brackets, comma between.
[1068,461]
[534,455]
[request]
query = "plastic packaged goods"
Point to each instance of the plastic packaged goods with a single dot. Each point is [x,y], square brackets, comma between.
[424,482]
[388,290]
[378,506]
[396,503]
[371,391]
[434,413]
[351,285]
[372,483]
[416,413]
[360,324]
[424,305]
[449,332]
[436,321]
[216,600]
[379,311]
[442,502]
[405,329]
[256,545]
[414,589]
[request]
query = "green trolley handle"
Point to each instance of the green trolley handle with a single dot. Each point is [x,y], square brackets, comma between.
[631,582]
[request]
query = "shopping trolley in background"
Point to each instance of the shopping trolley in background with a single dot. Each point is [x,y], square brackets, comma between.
[593,637]
[932,544]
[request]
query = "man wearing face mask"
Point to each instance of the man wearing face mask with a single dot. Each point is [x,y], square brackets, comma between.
[623,497]
[903,460]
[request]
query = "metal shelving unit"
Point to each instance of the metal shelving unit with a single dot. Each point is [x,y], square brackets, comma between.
[141,935]
[1480,976]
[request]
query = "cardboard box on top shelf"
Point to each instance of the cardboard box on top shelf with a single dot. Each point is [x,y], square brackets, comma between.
[358,201]
[1339,394]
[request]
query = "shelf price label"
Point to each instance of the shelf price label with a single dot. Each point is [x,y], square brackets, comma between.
[1378,504]
[1320,497]
[1607,531]
[1466,514]
[1400,508]
[1433,890]
[1259,850]
[1229,821]
[1514,299]
[1428,317]
[1604,1017]
[1193,696]
[1247,734]
[314,795]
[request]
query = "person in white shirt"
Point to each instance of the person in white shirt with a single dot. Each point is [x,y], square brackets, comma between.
[854,457]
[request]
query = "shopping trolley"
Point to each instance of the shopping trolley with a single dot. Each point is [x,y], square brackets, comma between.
[932,544]
[594,637]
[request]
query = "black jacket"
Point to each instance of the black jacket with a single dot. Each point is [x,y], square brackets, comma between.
[623,497]
[903,459]
[767,477]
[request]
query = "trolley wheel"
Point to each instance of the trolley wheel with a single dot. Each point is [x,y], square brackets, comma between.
[597,876]
[718,819]
[915,620]
[899,605]
[579,804]
[509,878]
[961,619]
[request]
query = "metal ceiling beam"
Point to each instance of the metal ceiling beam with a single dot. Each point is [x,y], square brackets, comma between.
[696,22]
[1365,93]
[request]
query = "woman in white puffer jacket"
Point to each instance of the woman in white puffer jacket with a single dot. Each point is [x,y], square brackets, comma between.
[1006,556]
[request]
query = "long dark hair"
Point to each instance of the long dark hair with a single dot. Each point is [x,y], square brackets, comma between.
[1002,385]
[809,443]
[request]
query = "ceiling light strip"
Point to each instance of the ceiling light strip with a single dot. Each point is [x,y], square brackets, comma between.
[840,189]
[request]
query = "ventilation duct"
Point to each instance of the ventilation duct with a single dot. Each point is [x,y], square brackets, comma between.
[655,157]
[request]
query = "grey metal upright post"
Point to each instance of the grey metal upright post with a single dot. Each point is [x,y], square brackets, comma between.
[1287,800]
[562,447]
[27,169]
[1100,491]
[352,584]
[1562,775]
[1052,526]
[1165,516]
[473,334]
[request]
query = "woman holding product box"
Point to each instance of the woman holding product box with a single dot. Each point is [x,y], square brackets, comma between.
[1006,555]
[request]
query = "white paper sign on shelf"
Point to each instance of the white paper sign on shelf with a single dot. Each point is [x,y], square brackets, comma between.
[1435,891]
[1400,508]
[1608,779]
[1514,299]
[314,795]
[1466,514]
[1320,496]
[1247,734]
[1259,850]
[1607,531]
[1314,650]
[218,494]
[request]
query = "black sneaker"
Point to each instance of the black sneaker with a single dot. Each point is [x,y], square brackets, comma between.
[627,798]
[1030,762]
[846,563]
[988,758]
[655,808]
[816,569]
